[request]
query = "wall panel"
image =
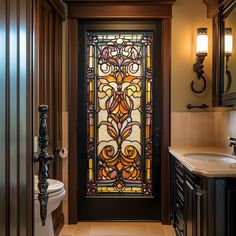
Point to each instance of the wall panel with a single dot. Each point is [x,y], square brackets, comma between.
[3,66]
[48,20]
[16,195]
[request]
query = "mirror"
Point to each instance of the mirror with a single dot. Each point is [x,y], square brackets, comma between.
[228,54]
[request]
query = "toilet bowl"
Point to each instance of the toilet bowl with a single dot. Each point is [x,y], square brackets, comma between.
[56,193]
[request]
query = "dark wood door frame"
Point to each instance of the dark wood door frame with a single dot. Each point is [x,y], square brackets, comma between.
[112,10]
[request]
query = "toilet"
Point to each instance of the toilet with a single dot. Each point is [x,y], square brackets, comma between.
[56,194]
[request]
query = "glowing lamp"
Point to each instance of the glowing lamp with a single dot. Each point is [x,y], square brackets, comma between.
[228,41]
[201,53]
[202,41]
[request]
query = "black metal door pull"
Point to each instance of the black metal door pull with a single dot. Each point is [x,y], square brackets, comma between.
[43,158]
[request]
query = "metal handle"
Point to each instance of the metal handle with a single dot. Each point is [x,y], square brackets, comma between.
[43,158]
[203,106]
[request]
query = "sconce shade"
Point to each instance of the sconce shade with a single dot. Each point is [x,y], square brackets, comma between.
[202,41]
[228,41]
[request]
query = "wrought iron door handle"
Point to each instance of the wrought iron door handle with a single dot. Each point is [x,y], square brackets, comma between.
[43,158]
[157,140]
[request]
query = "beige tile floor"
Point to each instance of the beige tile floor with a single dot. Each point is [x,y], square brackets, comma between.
[117,229]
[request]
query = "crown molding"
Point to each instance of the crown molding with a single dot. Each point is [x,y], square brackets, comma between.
[213,6]
[59,7]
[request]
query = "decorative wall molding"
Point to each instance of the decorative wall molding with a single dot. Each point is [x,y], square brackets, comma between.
[213,6]
[128,9]
[58,6]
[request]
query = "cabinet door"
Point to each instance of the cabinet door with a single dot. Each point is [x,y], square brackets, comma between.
[231,205]
[189,209]
[199,212]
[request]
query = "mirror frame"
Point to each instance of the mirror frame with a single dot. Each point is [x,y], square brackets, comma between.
[219,97]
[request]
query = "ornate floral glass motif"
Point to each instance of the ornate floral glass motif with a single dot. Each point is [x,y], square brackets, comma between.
[119,77]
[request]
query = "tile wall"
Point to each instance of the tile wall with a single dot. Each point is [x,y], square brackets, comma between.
[202,128]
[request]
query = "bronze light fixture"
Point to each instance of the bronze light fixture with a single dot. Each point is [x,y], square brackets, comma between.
[228,53]
[201,53]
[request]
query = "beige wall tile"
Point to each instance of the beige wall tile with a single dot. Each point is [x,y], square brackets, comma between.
[202,128]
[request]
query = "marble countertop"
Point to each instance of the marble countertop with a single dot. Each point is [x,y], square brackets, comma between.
[205,168]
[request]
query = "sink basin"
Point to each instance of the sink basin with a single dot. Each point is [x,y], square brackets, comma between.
[212,157]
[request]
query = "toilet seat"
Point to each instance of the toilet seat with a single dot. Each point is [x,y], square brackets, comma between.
[56,194]
[55,187]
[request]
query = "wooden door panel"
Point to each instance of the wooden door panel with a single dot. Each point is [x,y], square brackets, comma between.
[16,182]
[49,66]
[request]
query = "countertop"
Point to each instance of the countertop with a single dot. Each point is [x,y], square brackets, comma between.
[205,168]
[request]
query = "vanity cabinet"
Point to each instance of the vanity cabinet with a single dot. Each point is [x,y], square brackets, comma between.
[202,206]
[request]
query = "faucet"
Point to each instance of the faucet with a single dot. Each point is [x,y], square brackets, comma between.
[233,144]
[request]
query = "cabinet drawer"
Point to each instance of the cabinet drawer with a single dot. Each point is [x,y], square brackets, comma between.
[179,223]
[179,183]
[179,168]
[180,207]
[180,195]
[178,232]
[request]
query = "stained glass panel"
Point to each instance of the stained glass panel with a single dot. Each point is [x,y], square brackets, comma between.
[119,77]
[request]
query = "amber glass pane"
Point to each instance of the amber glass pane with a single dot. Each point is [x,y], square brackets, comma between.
[119,113]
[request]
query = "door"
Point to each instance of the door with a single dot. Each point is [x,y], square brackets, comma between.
[119,121]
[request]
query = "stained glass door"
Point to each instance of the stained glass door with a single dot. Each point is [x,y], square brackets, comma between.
[118,73]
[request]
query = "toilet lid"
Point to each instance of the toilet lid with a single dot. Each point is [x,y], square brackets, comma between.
[53,187]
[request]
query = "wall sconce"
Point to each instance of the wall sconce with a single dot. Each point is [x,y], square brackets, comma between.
[201,53]
[228,53]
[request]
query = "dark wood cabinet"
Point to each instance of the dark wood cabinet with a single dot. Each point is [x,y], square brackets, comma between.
[202,206]
[225,207]
[231,195]
[187,201]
